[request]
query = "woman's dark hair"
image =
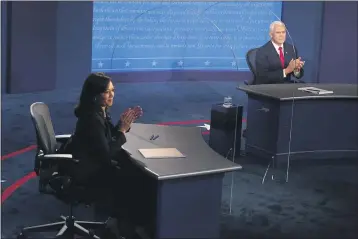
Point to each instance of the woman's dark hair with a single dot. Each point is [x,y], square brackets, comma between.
[94,85]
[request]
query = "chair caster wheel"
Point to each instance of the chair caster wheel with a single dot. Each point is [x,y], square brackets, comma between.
[21,236]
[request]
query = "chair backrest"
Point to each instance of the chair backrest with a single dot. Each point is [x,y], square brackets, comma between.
[251,62]
[45,134]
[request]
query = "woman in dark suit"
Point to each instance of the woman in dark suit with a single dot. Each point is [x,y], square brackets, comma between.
[96,139]
[97,144]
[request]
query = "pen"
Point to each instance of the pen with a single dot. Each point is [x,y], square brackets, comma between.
[156,137]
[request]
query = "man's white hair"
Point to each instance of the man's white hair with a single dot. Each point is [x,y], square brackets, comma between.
[276,23]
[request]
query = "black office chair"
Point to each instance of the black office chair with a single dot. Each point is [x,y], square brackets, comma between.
[251,62]
[49,162]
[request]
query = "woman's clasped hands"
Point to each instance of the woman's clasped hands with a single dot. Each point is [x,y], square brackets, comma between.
[138,111]
[128,117]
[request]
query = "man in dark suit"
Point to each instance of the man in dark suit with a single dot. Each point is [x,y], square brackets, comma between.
[277,61]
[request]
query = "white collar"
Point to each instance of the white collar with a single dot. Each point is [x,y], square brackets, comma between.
[277,46]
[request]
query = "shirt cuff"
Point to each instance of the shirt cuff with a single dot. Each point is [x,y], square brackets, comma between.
[284,74]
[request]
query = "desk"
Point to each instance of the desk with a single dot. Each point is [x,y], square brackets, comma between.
[188,190]
[323,126]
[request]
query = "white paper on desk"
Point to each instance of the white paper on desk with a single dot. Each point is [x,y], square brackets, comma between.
[315,90]
[161,153]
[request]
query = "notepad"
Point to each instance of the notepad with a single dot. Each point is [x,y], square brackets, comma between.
[315,90]
[161,153]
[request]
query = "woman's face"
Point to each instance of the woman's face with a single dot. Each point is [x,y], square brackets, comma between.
[108,95]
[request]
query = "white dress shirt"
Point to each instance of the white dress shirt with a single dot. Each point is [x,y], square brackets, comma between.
[296,73]
[278,46]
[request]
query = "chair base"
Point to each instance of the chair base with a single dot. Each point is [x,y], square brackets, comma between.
[69,227]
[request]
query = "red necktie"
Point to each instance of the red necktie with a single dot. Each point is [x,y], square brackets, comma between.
[282,58]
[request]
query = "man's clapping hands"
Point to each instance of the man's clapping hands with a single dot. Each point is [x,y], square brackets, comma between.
[298,64]
[294,65]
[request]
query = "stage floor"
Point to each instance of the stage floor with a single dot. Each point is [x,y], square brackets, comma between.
[318,201]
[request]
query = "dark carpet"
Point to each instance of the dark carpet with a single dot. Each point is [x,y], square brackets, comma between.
[318,201]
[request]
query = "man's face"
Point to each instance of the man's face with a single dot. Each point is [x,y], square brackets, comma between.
[278,35]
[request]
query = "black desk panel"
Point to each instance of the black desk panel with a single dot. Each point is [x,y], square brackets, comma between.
[323,126]
[188,190]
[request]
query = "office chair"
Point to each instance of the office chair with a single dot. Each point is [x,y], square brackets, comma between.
[52,180]
[251,62]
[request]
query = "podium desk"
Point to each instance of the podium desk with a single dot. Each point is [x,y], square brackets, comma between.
[188,190]
[323,126]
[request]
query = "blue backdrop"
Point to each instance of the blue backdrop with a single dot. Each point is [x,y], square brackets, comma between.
[134,36]
[49,46]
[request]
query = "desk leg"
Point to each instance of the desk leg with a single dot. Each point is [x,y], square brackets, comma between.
[189,207]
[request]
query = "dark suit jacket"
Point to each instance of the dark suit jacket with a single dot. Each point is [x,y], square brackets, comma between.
[96,142]
[268,65]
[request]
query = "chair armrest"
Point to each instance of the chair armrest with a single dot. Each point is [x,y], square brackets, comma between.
[64,156]
[62,138]
[59,157]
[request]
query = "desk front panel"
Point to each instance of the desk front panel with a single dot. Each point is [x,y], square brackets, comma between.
[320,128]
[262,125]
